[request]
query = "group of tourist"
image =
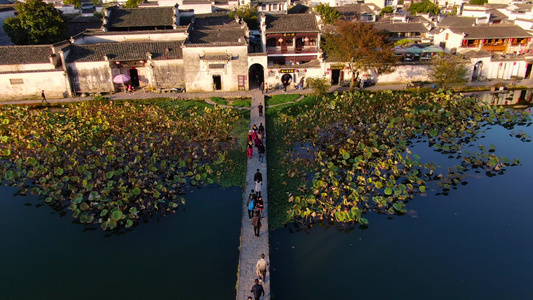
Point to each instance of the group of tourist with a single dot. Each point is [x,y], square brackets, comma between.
[255,202]
[256,136]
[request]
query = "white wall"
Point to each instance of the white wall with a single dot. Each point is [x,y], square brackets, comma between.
[199,75]
[454,40]
[26,67]
[29,85]
[110,38]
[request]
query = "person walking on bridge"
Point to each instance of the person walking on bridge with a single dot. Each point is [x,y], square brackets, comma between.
[256,222]
[258,179]
[260,109]
[261,268]
[257,290]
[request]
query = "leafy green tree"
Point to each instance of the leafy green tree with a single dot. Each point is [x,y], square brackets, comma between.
[362,47]
[248,14]
[386,10]
[319,85]
[478,2]
[424,7]
[76,3]
[329,14]
[36,23]
[446,69]
[403,42]
[133,3]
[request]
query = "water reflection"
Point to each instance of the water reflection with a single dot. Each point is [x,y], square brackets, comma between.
[169,257]
[505,97]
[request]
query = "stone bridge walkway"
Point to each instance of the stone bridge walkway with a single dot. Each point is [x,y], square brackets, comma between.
[251,246]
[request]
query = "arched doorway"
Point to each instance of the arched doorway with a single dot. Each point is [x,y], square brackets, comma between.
[255,76]
[478,67]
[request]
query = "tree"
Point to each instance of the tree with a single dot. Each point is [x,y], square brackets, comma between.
[478,2]
[248,14]
[362,47]
[319,85]
[76,3]
[446,69]
[328,13]
[133,3]
[424,7]
[386,10]
[37,23]
[403,42]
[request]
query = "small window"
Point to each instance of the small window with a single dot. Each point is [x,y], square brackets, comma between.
[14,81]
[272,42]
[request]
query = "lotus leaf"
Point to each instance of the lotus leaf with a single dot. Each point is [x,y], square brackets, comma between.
[117,215]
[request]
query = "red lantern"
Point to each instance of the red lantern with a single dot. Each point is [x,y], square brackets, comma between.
[280,40]
[328,69]
[117,62]
[514,64]
[501,64]
[306,40]
[483,41]
[305,70]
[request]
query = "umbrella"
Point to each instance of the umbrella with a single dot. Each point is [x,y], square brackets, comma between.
[121,78]
[432,49]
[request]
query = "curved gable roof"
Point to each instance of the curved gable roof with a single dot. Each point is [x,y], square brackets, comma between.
[291,23]
[124,51]
[140,17]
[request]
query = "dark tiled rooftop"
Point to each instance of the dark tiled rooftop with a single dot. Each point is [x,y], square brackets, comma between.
[351,9]
[492,31]
[140,17]
[196,1]
[216,29]
[124,51]
[19,55]
[453,21]
[400,27]
[291,23]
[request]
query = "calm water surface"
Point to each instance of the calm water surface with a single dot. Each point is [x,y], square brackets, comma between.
[475,243]
[190,255]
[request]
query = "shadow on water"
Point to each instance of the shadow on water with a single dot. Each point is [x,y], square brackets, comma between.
[471,244]
[165,258]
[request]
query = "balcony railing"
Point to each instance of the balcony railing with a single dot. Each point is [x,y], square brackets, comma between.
[291,50]
[501,47]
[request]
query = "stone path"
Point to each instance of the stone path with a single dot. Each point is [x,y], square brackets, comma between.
[251,246]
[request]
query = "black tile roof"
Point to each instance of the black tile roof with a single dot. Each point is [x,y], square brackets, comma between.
[299,9]
[216,29]
[291,23]
[124,51]
[400,27]
[217,36]
[140,17]
[19,55]
[196,1]
[495,31]
[354,9]
[454,21]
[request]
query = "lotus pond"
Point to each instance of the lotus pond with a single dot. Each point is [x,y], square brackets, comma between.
[432,189]
[473,243]
[48,255]
[117,163]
